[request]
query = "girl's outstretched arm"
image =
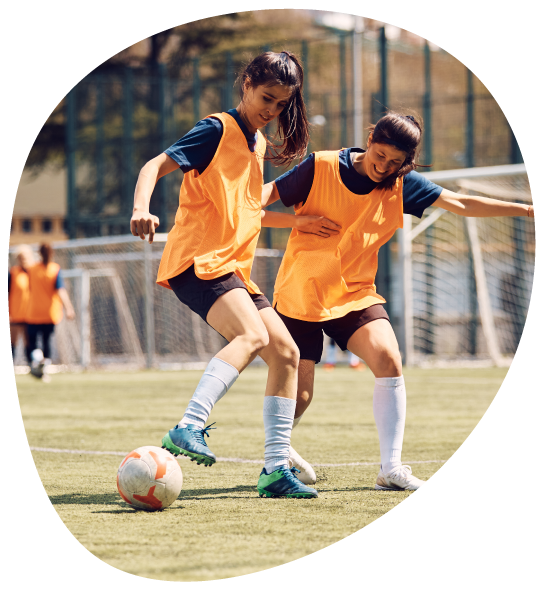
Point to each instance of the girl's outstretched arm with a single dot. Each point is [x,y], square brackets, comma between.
[142,222]
[270,194]
[480,206]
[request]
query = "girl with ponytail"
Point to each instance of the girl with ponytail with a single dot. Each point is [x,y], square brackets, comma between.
[348,204]
[209,253]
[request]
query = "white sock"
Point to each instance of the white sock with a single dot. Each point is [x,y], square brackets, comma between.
[278,417]
[389,408]
[215,382]
[297,420]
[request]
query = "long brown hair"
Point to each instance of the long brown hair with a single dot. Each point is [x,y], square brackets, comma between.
[284,69]
[403,132]
[46,253]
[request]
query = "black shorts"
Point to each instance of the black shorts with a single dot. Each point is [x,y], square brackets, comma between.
[309,335]
[200,295]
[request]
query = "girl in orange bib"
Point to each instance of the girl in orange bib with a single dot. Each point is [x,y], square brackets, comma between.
[19,296]
[210,250]
[326,282]
[48,297]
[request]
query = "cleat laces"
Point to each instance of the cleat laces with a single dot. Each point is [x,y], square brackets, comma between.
[199,435]
[289,475]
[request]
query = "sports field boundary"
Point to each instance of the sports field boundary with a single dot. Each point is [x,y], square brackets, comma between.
[219,459]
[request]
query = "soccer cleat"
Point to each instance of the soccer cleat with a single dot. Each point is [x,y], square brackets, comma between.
[190,441]
[398,479]
[328,366]
[283,483]
[306,472]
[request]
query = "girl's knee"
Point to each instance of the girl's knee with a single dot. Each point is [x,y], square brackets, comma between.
[389,364]
[256,340]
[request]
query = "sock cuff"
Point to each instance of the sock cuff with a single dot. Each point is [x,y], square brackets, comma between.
[392,381]
[296,421]
[280,406]
[225,372]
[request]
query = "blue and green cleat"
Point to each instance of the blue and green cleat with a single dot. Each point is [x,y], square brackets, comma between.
[190,441]
[283,483]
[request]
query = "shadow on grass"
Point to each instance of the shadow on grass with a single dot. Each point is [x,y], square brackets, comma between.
[200,493]
[112,500]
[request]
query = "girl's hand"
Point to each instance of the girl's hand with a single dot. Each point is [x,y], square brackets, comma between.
[143,223]
[316,225]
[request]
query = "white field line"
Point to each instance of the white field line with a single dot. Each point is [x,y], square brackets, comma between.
[219,459]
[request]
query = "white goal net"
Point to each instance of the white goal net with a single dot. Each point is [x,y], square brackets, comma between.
[466,282]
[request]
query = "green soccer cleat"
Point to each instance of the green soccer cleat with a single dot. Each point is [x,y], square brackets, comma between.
[190,442]
[283,483]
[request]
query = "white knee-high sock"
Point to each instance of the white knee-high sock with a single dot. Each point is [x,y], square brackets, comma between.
[218,377]
[389,408]
[297,420]
[278,417]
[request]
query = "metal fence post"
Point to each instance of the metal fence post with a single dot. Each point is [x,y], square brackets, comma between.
[342,69]
[70,162]
[85,318]
[149,302]
[357,79]
[100,141]
[162,125]
[427,131]
[127,142]
[196,88]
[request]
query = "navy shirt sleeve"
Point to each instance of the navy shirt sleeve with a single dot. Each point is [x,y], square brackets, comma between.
[294,186]
[196,149]
[418,194]
[59,281]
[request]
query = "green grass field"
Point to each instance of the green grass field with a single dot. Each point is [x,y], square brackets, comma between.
[219,527]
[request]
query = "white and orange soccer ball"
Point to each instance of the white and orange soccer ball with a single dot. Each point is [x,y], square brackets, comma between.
[149,478]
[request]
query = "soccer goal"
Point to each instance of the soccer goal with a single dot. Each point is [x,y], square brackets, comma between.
[123,319]
[466,282]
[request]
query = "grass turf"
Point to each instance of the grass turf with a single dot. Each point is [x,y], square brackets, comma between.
[219,527]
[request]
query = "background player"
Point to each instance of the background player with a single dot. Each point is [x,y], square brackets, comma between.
[210,250]
[327,285]
[47,298]
[19,297]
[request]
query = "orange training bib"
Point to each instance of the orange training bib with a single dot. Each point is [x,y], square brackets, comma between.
[218,220]
[326,278]
[45,304]
[19,295]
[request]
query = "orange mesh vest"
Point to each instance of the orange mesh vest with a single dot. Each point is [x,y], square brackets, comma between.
[218,220]
[19,295]
[45,304]
[326,278]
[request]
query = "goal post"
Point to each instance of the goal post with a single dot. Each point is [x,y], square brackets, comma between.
[466,281]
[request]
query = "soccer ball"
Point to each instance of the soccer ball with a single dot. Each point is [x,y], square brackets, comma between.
[149,478]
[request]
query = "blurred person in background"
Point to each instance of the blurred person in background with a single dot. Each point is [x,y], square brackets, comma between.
[19,297]
[48,297]
[331,358]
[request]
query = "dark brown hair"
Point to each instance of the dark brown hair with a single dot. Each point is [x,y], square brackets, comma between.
[284,69]
[46,253]
[403,132]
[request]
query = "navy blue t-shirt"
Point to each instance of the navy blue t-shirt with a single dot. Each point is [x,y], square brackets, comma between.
[295,185]
[196,149]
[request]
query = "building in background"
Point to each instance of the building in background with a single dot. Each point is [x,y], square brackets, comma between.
[39,214]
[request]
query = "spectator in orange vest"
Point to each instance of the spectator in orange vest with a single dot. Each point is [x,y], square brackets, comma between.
[47,298]
[19,296]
